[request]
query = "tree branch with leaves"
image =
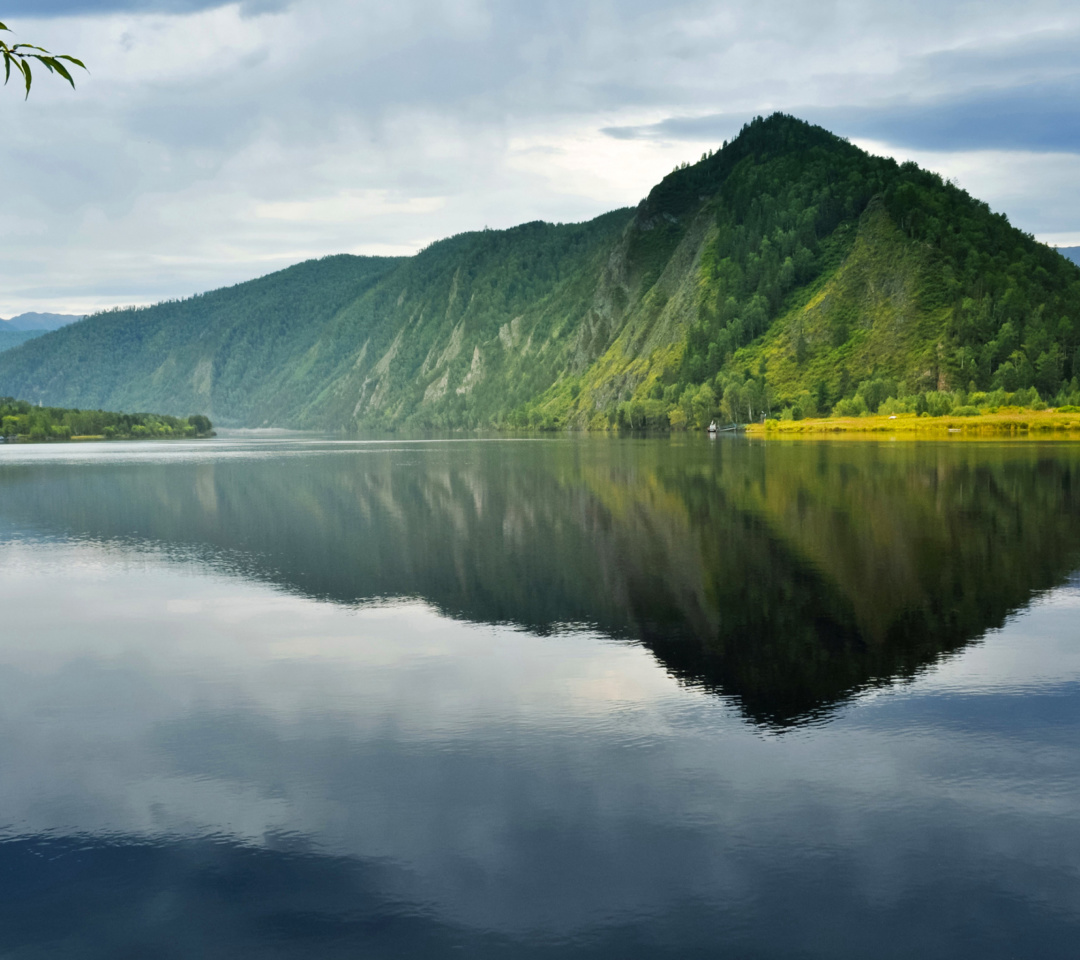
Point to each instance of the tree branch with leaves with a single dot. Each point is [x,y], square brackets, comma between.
[18,56]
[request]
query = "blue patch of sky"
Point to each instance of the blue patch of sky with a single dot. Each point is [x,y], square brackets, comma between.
[1041,117]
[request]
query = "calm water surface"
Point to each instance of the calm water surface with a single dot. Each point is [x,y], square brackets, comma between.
[539,698]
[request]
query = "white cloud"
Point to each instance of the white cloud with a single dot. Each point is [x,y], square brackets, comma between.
[210,147]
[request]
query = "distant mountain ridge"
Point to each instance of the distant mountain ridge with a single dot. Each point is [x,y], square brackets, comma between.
[788,270]
[27,326]
[1071,253]
[39,321]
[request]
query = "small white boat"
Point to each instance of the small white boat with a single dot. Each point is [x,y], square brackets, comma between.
[712,426]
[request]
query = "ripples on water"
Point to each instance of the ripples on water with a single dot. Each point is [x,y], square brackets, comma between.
[539,698]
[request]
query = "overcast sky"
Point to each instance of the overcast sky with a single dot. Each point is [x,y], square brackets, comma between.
[214,142]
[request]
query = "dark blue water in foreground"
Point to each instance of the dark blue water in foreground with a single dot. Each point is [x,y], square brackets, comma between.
[566,698]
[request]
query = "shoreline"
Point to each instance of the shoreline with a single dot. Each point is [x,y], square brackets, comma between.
[999,425]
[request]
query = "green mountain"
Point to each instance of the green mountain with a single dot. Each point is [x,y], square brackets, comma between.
[788,270]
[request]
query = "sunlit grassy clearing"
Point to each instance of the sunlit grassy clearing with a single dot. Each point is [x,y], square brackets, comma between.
[1009,422]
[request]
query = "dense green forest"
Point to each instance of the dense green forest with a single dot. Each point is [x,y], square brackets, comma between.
[788,273]
[24,422]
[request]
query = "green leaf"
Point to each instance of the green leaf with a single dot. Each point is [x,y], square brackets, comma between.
[26,71]
[74,60]
[53,64]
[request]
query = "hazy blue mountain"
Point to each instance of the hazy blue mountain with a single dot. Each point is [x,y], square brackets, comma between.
[41,321]
[1072,253]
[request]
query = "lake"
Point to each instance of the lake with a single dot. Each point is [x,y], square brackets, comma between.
[530,698]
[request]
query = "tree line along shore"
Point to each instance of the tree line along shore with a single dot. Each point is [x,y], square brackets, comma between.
[22,422]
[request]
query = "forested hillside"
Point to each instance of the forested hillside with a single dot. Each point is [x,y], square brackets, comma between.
[787,273]
[233,349]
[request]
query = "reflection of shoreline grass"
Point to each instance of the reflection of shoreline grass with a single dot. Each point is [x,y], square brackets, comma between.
[1012,422]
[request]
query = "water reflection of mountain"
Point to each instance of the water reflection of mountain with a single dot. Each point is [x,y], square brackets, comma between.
[784,576]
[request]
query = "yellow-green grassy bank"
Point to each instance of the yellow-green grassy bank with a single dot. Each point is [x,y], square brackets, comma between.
[1003,423]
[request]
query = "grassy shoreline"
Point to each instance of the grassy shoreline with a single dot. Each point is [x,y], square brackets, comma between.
[1017,423]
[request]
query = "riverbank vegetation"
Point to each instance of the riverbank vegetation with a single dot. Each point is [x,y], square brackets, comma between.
[884,406]
[965,423]
[24,423]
